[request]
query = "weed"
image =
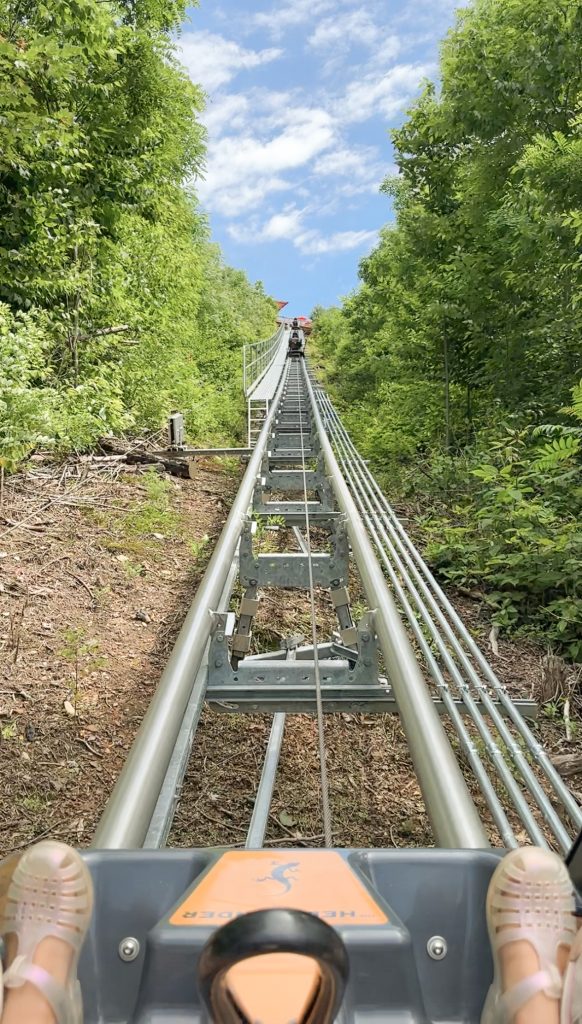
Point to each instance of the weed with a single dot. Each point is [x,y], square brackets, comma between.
[95,515]
[34,803]
[276,521]
[136,546]
[102,597]
[8,732]
[155,514]
[84,656]
[229,464]
[197,547]
[16,623]
[133,569]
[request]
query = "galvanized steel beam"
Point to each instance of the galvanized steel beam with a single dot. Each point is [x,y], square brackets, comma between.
[449,805]
[128,813]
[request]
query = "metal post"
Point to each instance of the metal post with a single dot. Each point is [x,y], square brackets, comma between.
[453,815]
[128,813]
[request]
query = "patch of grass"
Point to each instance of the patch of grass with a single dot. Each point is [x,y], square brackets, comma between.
[34,803]
[230,464]
[133,569]
[8,731]
[198,547]
[102,597]
[136,546]
[95,515]
[155,514]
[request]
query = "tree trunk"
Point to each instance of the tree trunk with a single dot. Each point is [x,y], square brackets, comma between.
[447,397]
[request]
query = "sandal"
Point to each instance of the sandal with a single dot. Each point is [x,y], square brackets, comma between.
[530,899]
[572,994]
[50,895]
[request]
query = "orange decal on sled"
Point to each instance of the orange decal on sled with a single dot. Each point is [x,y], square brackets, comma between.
[320,882]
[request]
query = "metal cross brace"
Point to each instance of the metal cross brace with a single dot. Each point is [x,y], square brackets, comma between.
[290,570]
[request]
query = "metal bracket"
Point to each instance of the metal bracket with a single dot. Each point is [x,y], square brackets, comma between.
[291,570]
[360,680]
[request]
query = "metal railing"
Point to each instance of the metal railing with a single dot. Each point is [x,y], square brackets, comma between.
[257,358]
[519,783]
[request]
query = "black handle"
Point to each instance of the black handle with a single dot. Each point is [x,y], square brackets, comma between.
[273,931]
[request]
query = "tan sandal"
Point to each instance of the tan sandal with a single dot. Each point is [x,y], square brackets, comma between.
[50,895]
[530,899]
[571,1012]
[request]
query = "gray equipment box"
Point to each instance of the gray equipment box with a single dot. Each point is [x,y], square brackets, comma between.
[401,971]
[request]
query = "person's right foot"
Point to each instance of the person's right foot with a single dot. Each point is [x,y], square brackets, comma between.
[571,1012]
[530,907]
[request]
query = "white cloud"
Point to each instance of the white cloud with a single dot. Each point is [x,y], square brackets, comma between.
[288,224]
[313,243]
[345,30]
[385,95]
[212,61]
[230,111]
[242,169]
[233,157]
[283,225]
[359,162]
[387,49]
[242,198]
[295,13]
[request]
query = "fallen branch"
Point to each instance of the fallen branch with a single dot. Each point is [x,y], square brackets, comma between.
[81,582]
[175,468]
[568,764]
[567,722]
[101,332]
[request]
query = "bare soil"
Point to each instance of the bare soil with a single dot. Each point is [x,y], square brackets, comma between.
[95,578]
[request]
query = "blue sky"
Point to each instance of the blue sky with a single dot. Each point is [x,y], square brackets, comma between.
[301,95]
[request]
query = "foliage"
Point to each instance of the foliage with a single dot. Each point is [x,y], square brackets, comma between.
[465,330]
[515,529]
[99,130]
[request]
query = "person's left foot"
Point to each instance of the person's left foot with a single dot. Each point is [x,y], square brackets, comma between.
[46,901]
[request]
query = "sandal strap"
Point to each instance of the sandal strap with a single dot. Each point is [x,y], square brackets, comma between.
[22,970]
[548,982]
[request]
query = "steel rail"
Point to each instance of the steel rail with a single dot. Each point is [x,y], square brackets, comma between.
[540,756]
[465,738]
[129,810]
[493,750]
[449,805]
[325,803]
[364,483]
[162,820]
[264,797]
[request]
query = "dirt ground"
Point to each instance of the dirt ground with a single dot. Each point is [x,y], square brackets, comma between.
[98,565]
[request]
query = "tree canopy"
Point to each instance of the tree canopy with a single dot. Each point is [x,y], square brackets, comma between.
[100,147]
[460,351]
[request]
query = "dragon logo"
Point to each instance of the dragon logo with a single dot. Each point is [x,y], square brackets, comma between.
[283,875]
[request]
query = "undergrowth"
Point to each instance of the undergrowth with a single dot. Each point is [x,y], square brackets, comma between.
[505,518]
